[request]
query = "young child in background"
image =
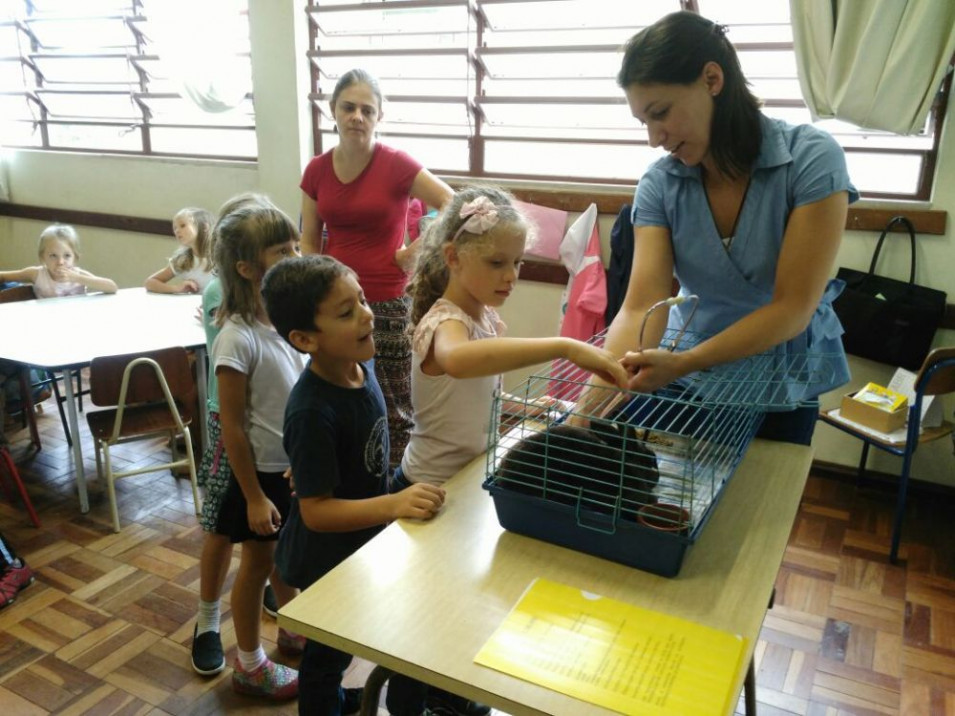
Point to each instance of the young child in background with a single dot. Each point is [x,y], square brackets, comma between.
[191,262]
[59,275]
[214,475]
[468,267]
[255,370]
[336,437]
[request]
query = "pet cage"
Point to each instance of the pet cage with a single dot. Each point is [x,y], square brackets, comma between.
[633,477]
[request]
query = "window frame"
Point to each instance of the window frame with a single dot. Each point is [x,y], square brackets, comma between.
[478,138]
[139,92]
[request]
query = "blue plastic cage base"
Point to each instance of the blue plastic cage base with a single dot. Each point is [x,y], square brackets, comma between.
[581,469]
[623,541]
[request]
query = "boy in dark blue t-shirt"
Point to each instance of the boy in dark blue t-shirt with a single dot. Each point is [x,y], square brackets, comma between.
[336,437]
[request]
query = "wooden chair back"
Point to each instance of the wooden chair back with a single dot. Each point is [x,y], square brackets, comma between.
[144,395]
[106,379]
[942,380]
[23,292]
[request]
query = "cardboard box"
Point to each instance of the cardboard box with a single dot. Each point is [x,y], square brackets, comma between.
[872,417]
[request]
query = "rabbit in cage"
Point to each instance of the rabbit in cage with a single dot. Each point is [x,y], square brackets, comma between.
[584,464]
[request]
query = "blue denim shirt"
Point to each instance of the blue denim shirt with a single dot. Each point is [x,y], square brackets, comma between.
[796,165]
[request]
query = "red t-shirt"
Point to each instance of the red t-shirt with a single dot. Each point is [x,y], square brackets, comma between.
[366,218]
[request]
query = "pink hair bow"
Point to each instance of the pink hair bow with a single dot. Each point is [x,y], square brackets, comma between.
[480,215]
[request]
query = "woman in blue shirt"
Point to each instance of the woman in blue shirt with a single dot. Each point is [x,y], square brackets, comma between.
[746,211]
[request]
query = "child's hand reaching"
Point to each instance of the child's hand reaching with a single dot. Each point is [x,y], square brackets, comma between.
[598,361]
[420,501]
[264,517]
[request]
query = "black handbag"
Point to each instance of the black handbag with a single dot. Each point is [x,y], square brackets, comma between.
[887,320]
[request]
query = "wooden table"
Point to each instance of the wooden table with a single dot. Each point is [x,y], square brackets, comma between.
[66,333]
[422,598]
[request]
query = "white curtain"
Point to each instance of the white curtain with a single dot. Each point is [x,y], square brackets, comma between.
[875,63]
[198,46]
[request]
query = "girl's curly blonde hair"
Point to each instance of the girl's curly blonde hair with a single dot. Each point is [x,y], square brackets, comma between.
[430,278]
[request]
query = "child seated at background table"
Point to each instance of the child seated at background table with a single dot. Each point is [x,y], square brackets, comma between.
[191,263]
[336,437]
[59,275]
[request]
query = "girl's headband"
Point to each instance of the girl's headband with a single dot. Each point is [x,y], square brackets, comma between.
[480,215]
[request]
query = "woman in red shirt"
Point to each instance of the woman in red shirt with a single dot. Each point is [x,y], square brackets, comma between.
[358,192]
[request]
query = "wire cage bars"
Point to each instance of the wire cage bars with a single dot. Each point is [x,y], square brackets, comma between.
[628,476]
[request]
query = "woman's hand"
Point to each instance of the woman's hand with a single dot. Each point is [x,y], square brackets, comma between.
[264,517]
[646,371]
[653,368]
[188,286]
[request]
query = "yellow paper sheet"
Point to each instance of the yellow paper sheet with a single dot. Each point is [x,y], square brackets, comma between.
[615,655]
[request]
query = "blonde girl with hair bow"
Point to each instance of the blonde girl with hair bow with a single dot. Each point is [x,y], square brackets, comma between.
[467,268]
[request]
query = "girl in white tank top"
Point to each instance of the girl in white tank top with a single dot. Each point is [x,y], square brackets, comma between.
[468,267]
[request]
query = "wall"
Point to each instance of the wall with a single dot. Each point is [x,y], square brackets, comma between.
[157,188]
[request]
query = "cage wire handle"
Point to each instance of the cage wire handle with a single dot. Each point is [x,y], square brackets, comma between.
[668,302]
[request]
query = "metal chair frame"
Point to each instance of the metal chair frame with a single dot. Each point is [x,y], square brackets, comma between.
[936,377]
[146,397]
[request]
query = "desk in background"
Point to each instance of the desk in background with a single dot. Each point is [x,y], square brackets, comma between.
[66,333]
[423,598]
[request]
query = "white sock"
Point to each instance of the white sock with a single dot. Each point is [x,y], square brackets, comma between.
[208,617]
[252,660]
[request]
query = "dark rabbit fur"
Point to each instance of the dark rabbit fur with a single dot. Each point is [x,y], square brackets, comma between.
[585,464]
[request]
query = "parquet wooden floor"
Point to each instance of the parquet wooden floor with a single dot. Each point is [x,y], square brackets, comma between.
[106,628]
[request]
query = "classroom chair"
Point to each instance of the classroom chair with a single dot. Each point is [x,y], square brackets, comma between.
[24,292]
[150,394]
[935,377]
